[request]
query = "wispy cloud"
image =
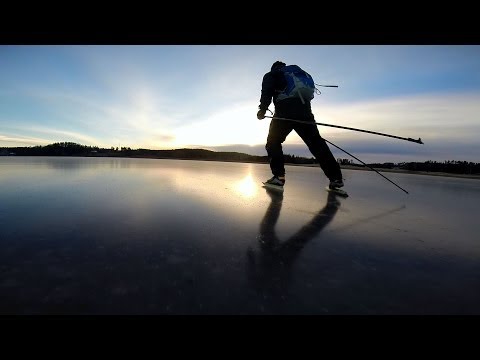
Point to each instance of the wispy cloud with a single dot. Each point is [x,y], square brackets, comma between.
[55,135]
[438,119]
[109,121]
[20,141]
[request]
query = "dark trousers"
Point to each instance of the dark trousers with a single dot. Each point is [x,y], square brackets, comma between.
[279,130]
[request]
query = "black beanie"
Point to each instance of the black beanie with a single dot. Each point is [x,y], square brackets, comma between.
[276,65]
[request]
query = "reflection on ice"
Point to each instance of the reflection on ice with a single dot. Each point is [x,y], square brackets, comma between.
[246,187]
[269,268]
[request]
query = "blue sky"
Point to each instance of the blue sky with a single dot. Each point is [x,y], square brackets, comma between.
[207,96]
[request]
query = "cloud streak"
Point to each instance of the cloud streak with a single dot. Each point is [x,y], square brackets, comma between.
[9,140]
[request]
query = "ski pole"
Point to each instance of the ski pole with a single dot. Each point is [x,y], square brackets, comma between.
[327,85]
[419,141]
[365,164]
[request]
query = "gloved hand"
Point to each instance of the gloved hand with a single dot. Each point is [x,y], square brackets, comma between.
[261,114]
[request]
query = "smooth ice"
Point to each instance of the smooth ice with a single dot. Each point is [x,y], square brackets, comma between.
[161,236]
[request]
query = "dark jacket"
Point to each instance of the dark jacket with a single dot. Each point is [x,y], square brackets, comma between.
[272,84]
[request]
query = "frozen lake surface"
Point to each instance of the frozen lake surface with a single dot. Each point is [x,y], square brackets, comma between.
[150,236]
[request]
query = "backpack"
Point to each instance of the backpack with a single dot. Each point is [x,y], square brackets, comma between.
[299,84]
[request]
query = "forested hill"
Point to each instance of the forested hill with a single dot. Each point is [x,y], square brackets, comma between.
[73,149]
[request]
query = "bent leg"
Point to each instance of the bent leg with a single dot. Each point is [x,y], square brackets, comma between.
[319,148]
[277,134]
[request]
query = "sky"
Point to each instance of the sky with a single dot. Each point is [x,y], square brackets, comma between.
[207,96]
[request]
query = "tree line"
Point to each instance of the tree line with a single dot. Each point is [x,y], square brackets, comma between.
[447,166]
[74,149]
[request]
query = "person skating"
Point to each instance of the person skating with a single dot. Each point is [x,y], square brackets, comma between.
[296,105]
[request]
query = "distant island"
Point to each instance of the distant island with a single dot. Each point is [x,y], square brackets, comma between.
[446,168]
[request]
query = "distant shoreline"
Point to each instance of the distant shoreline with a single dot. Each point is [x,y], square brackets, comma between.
[400,171]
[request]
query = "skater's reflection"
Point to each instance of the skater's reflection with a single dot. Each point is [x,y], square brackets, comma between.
[270,267]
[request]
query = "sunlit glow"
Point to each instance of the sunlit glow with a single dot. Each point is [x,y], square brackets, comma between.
[235,125]
[246,187]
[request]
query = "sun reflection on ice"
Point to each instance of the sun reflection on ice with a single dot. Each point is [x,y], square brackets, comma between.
[246,187]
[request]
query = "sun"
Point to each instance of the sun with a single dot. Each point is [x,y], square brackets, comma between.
[236,126]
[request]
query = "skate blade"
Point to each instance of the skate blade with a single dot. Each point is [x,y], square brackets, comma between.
[337,191]
[271,186]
